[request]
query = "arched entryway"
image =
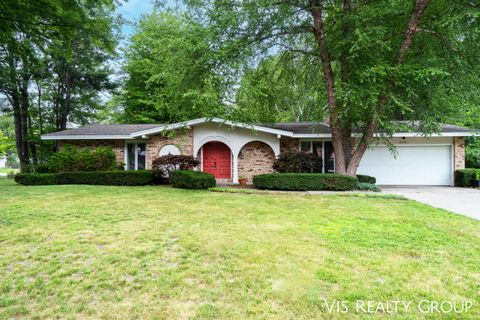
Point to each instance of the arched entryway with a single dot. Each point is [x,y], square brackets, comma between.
[255,158]
[217,160]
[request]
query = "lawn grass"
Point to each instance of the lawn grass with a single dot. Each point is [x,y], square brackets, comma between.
[161,253]
[7,170]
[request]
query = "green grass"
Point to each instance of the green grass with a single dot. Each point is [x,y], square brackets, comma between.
[5,170]
[163,253]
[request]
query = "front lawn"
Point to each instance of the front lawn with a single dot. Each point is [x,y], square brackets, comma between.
[161,253]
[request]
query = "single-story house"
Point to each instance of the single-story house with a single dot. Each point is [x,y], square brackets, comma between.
[230,150]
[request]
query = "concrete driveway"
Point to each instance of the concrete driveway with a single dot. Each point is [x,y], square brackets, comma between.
[459,200]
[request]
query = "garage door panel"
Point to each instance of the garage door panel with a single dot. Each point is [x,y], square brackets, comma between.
[422,165]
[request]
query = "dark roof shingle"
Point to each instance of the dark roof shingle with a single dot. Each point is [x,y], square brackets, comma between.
[105,129]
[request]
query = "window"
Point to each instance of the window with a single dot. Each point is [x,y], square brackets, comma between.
[136,156]
[323,150]
[169,149]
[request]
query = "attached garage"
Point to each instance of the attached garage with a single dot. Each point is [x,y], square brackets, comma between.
[412,165]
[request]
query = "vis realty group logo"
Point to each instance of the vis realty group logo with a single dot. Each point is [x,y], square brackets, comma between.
[397,306]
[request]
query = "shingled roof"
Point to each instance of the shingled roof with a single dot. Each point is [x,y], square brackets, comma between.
[292,129]
[105,129]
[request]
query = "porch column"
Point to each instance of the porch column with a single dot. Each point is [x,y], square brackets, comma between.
[235,167]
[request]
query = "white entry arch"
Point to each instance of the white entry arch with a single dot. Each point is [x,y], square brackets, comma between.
[234,138]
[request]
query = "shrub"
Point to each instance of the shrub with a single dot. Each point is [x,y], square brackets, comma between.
[472,154]
[43,168]
[109,178]
[366,179]
[72,159]
[36,179]
[188,179]
[163,166]
[466,177]
[305,181]
[298,162]
[364,186]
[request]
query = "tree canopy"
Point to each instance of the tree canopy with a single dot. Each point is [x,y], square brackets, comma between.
[170,72]
[382,61]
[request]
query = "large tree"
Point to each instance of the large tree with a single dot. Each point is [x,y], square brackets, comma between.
[53,57]
[285,87]
[169,72]
[381,61]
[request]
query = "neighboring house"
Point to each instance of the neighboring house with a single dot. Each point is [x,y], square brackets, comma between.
[229,150]
[3,162]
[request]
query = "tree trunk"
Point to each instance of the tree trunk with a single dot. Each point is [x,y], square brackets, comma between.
[319,32]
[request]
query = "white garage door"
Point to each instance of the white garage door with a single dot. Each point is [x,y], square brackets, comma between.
[422,165]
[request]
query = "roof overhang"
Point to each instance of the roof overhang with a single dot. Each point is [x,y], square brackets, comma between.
[198,121]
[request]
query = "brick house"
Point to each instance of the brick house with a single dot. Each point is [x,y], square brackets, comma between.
[231,150]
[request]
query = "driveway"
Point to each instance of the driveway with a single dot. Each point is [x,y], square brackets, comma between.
[459,200]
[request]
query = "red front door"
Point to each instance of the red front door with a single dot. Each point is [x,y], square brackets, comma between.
[217,160]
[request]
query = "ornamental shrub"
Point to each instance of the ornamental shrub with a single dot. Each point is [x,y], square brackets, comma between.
[297,162]
[163,166]
[305,181]
[109,178]
[366,179]
[187,179]
[466,177]
[364,186]
[72,159]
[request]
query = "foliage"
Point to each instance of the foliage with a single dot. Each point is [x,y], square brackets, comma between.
[366,179]
[297,162]
[6,145]
[305,181]
[109,178]
[472,152]
[466,177]
[169,64]
[365,186]
[163,166]
[54,64]
[285,87]
[187,179]
[382,61]
[71,159]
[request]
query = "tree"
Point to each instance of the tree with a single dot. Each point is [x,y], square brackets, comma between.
[53,52]
[382,61]
[169,67]
[281,88]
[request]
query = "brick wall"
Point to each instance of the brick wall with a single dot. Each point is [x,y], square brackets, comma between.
[117,145]
[182,139]
[288,144]
[255,158]
[459,152]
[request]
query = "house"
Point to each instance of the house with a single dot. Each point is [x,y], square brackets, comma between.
[229,150]
[3,162]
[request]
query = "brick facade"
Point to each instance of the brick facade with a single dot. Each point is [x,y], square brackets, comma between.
[459,152]
[255,158]
[117,145]
[289,144]
[182,139]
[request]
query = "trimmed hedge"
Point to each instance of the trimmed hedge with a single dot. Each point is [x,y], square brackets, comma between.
[187,179]
[366,179]
[305,181]
[466,177]
[108,178]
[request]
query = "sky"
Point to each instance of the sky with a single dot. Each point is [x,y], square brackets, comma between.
[131,11]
